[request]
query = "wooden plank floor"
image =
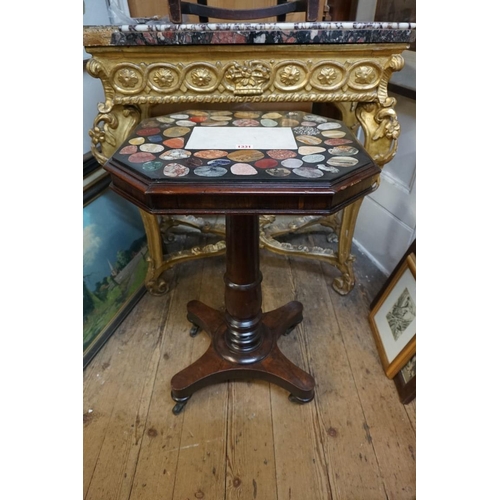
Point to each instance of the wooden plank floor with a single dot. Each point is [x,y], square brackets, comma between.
[245,440]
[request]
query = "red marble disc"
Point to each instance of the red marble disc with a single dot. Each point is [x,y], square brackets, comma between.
[337,142]
[148,131]
[176,143]
[266,163]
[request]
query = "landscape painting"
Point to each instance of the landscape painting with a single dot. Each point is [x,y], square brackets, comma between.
[114,266]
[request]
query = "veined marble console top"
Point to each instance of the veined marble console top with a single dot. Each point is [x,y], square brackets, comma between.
[151,33]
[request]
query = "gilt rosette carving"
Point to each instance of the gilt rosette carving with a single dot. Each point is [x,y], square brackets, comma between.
[364,75]
[328,76]
[128,78]
[163,78]
[290,76]
[201,77]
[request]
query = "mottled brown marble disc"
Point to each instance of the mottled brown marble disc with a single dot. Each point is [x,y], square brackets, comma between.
[308,139]
[246,114]
[176,131]
[210,154]
[272,116]
[342,161]
[246,155]
[289,122]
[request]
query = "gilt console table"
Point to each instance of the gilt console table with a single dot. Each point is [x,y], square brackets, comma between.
[198,65]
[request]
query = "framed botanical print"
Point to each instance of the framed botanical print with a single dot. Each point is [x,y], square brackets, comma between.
[393,318]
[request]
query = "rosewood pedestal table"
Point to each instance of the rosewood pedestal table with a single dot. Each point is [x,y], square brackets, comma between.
[242,164]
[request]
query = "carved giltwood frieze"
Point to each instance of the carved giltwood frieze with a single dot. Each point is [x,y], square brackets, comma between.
[158,79]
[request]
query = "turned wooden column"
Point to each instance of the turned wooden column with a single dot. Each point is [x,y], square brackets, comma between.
[243,295]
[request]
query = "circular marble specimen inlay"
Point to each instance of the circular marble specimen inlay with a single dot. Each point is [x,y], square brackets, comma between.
[266,163]
[141,157]
[313,158]
[292,163]
[246,155]
[150,166]
[243,169]
[311,150]
[308,139]
[342,161]
[151,148]
[309,172]
[278,172]
[175,170]
[281,154]
[137,141]
[343,150]
[244,122]
[175,154]
[329,126]
[333,134]
[176,131]
[175,143]
[210,171]
[148,131]
[337,142]
[128,150]
[210,154]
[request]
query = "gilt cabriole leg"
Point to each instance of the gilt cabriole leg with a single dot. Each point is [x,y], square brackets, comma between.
[154,283]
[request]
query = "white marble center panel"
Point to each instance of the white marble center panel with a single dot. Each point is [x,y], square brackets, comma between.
[241,138]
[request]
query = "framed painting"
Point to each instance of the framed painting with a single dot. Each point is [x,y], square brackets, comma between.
[406,381]
[114,263]
[393,318]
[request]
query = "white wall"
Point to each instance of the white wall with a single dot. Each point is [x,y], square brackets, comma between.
[387,220]
[95,13]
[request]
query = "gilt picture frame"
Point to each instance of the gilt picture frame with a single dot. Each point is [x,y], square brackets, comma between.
[393,319]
